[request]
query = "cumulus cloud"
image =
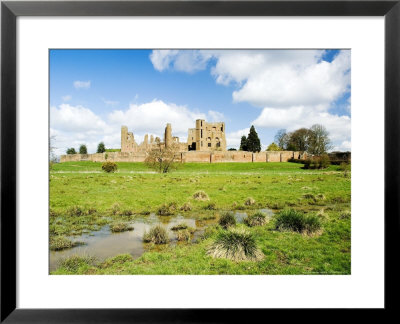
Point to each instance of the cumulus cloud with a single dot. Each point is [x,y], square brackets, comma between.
[82,84]
[185,61]
[233,138]
[215,116]
[294,88]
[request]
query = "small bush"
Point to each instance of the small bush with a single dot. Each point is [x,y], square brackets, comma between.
[235,245]
[257,219]
[186,207]
[293,220]
[200,195]
[211,206]
[227,219]
[167,209]
[249,201]
[120,227]
[109,167]
[317,162]
[156,235]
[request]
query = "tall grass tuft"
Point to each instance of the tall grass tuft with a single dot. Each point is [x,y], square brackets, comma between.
[235,245]
[58,243]
[167,209]
[186,207]
[292,220]
[227,219]
[257,219]
[249,201]
[183,235]
[200,195]
[120,227]
[74,262]
[156,235]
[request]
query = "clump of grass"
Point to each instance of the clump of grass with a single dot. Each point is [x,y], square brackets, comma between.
[345,215]
[127,212]
[156,235]
[145,212]
[321,197]
[235,245]
[309,196]
[167,209]
[227,219]
[115,208]
[183,235]
[249,202]
[257,219]
[91,211]
[211,206]
[179,227]
[200,195]
[74,262]
[120,227]
[58,243]
[296,221]
[75,211]
[119,259]
[208,216]
[186,207]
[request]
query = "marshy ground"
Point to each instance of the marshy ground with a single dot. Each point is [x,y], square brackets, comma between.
[98,220]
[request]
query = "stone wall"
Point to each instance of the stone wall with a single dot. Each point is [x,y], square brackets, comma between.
[190,156]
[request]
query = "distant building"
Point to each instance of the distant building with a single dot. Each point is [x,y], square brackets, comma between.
[205,137]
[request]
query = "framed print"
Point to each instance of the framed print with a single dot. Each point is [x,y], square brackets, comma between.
[155,150]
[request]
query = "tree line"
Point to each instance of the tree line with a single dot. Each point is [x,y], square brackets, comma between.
[314,140]
[101,148]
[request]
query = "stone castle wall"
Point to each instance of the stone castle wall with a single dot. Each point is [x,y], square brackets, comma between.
[190,156]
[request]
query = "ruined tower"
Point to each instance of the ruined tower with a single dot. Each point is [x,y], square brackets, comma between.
[127,140]
[168,135]
[207,136]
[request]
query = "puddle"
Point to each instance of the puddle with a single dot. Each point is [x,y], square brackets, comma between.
[103,244]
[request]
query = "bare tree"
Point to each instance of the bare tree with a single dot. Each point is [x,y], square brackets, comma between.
[319,142]
[163,159]
[282,139]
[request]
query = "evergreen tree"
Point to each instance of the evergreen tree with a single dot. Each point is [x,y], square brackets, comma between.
[253,142]
[83,149]
[71,150]
[243,144]
[101,148]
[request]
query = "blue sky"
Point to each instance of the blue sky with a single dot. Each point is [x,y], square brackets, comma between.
[94,92]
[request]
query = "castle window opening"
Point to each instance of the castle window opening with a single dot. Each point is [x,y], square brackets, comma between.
[209,144]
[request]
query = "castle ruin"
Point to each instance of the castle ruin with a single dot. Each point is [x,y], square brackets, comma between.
[205,137]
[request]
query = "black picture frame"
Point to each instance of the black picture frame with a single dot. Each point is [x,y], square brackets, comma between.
[10,10]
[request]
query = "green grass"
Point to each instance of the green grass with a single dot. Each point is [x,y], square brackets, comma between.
[83,199]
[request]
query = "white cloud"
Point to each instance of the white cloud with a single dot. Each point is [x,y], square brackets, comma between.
[185,61]
[75,118]
[215,116]
[233,138]
[66,98]
[339,127]
[153,116]
[82,84]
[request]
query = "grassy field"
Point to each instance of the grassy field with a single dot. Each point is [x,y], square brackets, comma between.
[83,199]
